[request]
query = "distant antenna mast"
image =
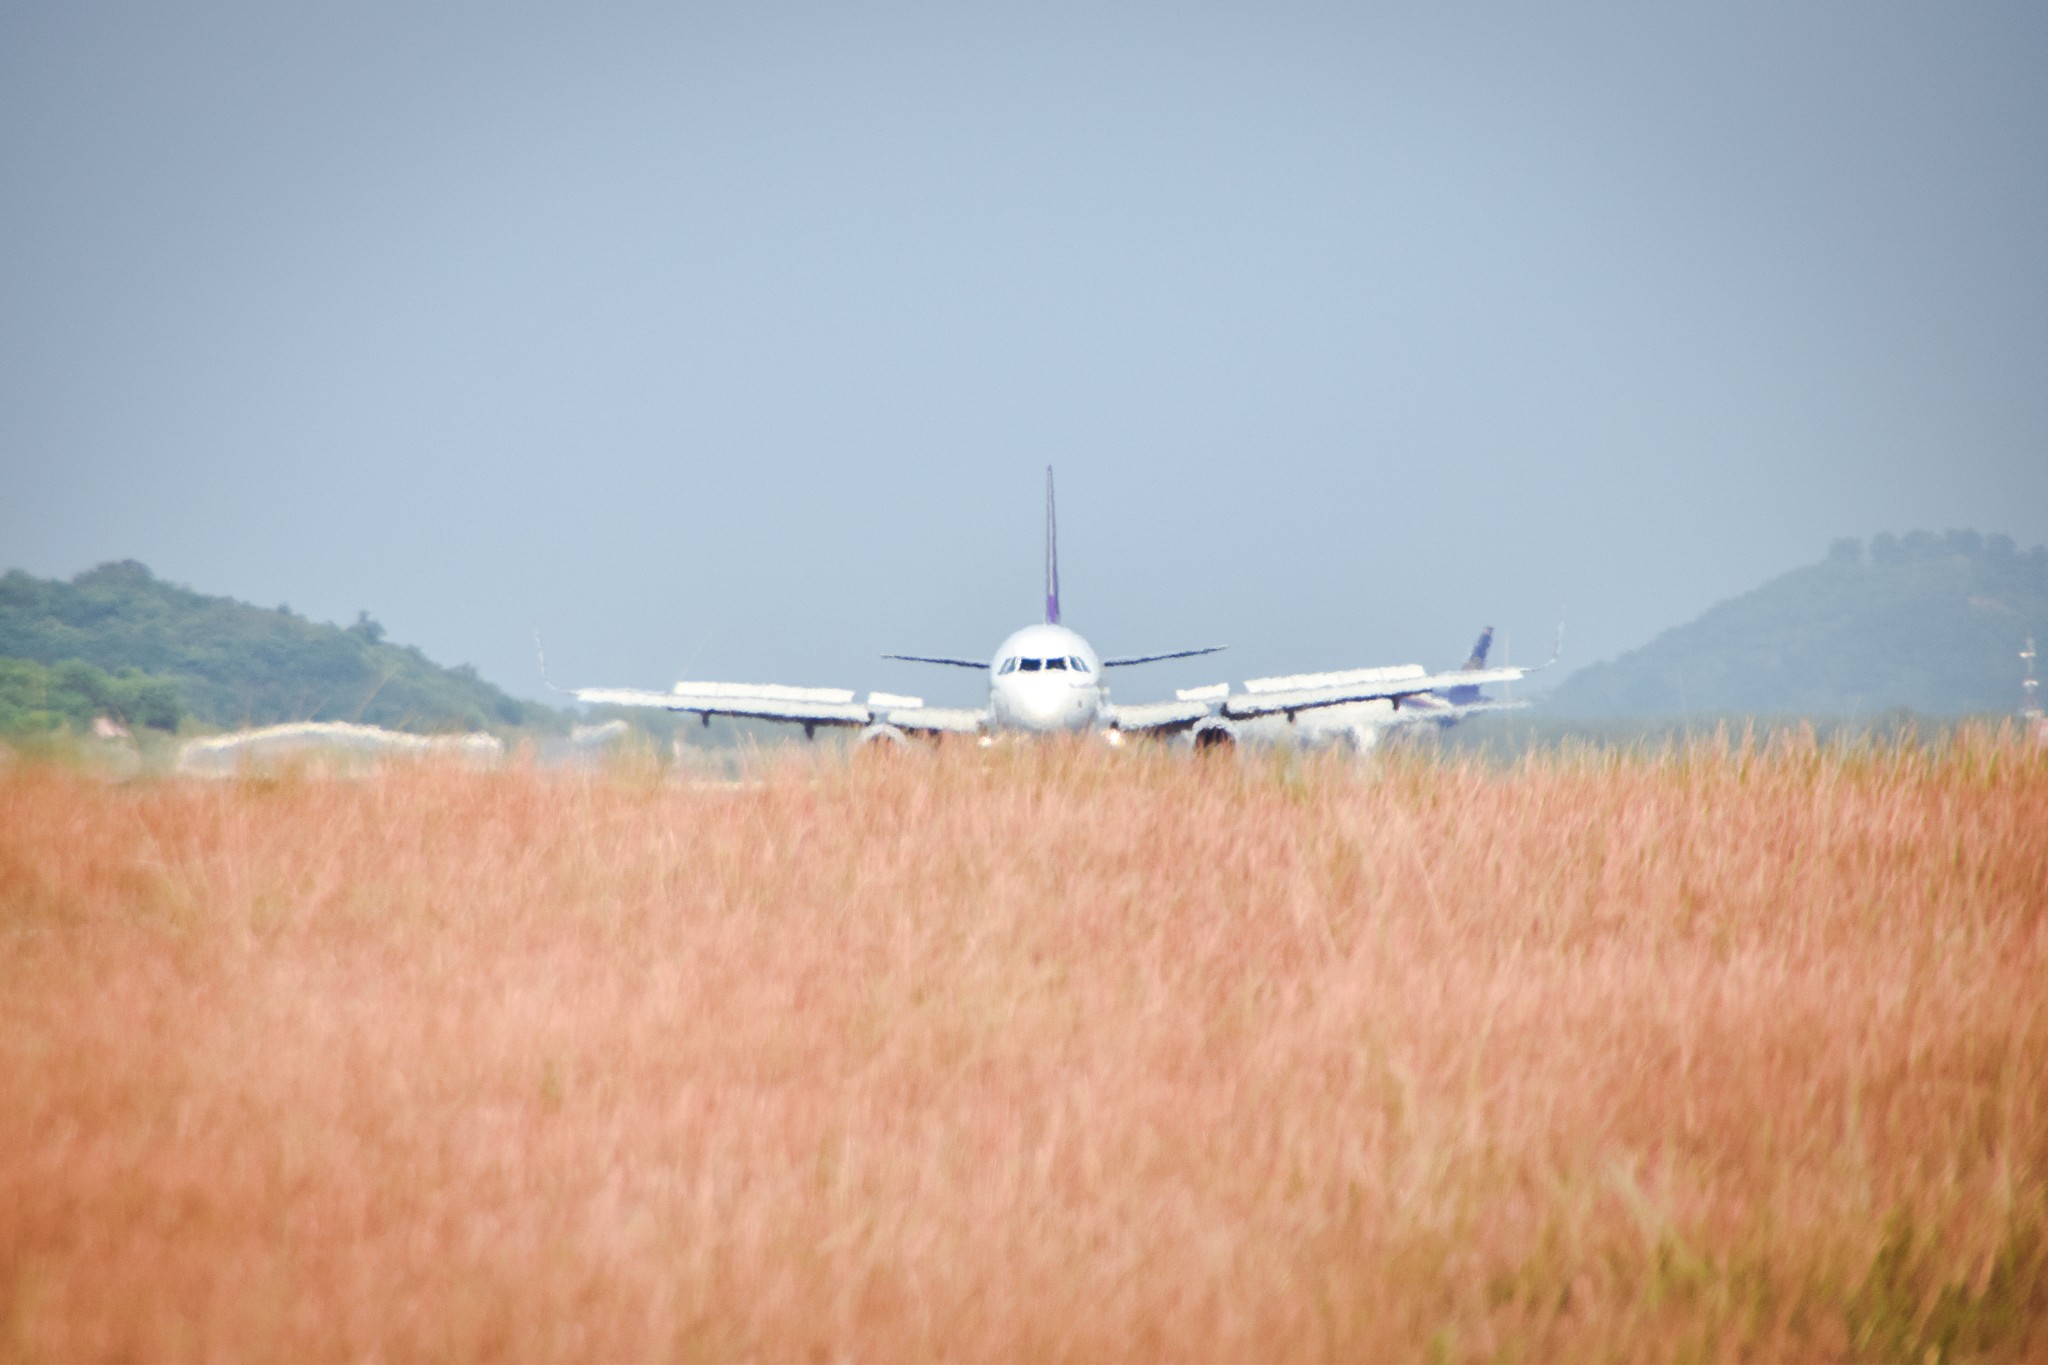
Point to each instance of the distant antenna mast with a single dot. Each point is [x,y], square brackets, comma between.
[2031,687]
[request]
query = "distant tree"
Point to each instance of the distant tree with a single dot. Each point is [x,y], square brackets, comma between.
[38,699]
[228,663]
[149,701]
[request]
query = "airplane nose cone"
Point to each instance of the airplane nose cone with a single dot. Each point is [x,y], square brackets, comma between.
[1053,706]
[1042,705]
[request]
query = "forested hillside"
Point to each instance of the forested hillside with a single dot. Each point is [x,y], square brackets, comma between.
[235,664]
[1929,622]
[36,699]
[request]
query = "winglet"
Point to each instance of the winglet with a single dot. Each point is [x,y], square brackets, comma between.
[1052,556]
[542,655]
[1556,650]
[1478,659]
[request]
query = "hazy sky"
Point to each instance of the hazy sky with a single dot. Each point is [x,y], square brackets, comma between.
[735,338]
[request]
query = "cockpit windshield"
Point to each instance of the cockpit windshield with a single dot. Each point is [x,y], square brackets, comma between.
[1072,663]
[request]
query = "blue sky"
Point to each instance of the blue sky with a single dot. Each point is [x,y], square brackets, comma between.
[735,339]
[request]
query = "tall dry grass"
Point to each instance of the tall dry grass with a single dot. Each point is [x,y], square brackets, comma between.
[1044,1053]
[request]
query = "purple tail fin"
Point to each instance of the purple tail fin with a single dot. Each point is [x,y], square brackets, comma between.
[1052,556]
[1465,696]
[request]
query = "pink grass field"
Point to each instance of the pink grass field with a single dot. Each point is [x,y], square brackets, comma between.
[1040,1053]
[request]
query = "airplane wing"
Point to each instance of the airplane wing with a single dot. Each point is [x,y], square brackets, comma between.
[1447,713]
[809,707]
[1244,705]
[1443,698]
[937,720]
[1159,716]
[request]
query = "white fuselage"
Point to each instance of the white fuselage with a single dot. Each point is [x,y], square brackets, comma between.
[1046,680]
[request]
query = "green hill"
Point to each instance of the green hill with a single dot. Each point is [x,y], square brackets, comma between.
[235,664]
[1933,623]
[35,699]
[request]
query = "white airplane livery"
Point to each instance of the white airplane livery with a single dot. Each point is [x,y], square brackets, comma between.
[1047,679]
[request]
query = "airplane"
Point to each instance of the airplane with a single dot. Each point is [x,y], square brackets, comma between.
[1047,679]
[1361,725]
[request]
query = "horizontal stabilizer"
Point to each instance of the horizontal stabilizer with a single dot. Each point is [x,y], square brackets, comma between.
[938,659]
[1128,660]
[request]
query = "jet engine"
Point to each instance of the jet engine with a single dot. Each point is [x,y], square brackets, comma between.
[883,733]
[1213,733]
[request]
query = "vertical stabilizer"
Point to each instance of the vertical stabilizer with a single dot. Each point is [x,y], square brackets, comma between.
[1052,556]
[1466,696]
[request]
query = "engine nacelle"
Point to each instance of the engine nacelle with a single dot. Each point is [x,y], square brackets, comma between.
[1363,739]
[1212,733]
[885,734]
